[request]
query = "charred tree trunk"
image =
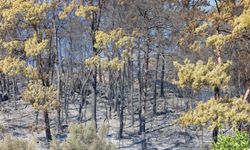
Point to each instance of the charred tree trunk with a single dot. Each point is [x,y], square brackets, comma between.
[8,85]
[66,96]
[1,83]
[59,99]
[94,120]
[155,85]
[162,77]
[47,126]
[216,93]
[94,27]
[81,106]
[100,72]
[216,129]
[215,134]
[111,93]
[59,66]
[140,92]
[14,93]
[122,102]
[131,85]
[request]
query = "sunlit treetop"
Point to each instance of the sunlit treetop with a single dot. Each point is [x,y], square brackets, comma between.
[201,28]
[118,38]
[232,22]
[217,41]
[202,74]
[78,9]
[92,61]
[196,46]
[41,97]
[103,39]
[68,8]
[12,66]
[31,72]
[241,24]
[225,113]
[86,11]
[11,46]
[117,41]
[34,47]
[115,64]
[28,11]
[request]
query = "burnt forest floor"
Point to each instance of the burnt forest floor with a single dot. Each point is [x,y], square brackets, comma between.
[161,131]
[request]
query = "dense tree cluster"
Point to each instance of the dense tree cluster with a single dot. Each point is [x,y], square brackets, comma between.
[52,50]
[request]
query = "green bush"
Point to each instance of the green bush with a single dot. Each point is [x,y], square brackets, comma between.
[82,137]
[9,143]
[2,128]
[239,141]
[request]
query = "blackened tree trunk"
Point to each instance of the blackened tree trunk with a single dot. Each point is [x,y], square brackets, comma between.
[162,77]
[66,97]
[122,102]
[131,85]
[1,83]
[216,129]
[59,67]
[59,100]
[7,84]
[216,92]
[145,87]
[111,93]
[47,126]
[94,27]
[155,84]
[215,134]
[94,120]
[14,93]
[140,92]
[100,72]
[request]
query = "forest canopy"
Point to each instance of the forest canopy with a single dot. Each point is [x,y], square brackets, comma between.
[144,67]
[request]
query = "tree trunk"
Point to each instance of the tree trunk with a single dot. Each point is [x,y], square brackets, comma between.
[216,129]
[59,66]
[122,103]
[94,27]
[36,120]
[143,116]
[131,92]
[217,97]
[247,95]
[140,92]
[216,93]
[14,93]
[94,120]
[100,72]
[162,77]
[215,134]
[8,85]
[155,85]
[1,83]
[59,100]
[47,126]
[66,97]
[111,93]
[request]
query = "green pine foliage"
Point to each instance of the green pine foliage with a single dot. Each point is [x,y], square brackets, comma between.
[239,141]
[224,113]
[200,74]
